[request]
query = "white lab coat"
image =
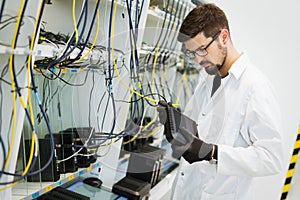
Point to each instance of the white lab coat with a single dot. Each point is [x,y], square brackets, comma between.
[243,119]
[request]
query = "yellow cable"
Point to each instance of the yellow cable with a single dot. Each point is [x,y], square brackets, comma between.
[33,137]
[144,128]
[112,55]
[13,87]
[150,133]
[116,138]
[126,86]
[33,141]
[119,76]
[185,80]
[9,186]
[136,136]
[151,122]
[181,88]
[74,20]
[153,68]
[141,128]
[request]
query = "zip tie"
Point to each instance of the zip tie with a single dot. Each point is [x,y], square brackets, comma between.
[16,51]
[110,88]
[38,98]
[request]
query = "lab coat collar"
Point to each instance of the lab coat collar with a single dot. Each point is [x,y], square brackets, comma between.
[239,66]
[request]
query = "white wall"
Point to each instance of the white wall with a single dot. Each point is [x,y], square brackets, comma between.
[268,31]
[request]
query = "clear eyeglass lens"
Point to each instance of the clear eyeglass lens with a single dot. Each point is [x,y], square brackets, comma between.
[201,52]
[190,55]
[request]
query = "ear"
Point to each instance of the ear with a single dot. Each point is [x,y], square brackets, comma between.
[225,36]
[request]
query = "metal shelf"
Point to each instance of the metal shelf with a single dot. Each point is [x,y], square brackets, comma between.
[47,186]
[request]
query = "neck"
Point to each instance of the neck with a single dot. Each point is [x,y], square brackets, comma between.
[232,56]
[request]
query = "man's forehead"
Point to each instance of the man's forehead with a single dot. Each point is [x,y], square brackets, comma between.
[196,42]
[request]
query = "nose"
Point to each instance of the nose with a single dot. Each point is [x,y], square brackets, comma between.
[198,59]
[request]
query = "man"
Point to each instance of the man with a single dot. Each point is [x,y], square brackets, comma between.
[236,111]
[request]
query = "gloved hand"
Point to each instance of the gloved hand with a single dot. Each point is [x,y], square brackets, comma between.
[191,148]
[182,142]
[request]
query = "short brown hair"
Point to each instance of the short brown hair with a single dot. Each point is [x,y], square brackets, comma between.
[207,18]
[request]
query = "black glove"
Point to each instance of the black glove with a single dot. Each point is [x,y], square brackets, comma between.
[182,142]
[192,148]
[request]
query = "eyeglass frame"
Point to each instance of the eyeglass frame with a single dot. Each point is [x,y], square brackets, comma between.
[188,53]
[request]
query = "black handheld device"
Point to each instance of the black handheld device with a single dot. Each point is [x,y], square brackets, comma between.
[174,121]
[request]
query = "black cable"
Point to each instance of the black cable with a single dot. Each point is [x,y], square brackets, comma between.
[6,22]
[5,81]
[46,88]
[98,108]
[2,9]
[134,51]
[4,155]
[109,41]
[47,124]
[72,84]
[3,73]
[34,88]
[134,48]
[18,89]
[146,95]
[168,88]
[161,85]
[136,27]
[105,111]
[174,41]
[140,13]
[17,85]
[162,46]
[50,78]
[161,32]
[90,98]
[90,30]
[167,46]
[66,52]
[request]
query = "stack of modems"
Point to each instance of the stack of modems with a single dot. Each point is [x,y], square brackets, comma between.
[143,172]
[66,143]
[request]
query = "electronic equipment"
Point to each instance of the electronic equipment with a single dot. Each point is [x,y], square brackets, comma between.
[80,185]
[81,135]
[64,146]
[69,141]
[50,173]
[176,121]
[146,164]
[143,167]
[62,194]
[131,129]
[93,181]
[132,188]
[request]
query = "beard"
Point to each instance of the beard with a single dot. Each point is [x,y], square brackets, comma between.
[212,68]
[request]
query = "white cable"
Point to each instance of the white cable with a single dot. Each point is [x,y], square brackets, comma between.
[77,152]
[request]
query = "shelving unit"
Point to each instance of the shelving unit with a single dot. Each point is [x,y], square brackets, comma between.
[92,93]
[29,191]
